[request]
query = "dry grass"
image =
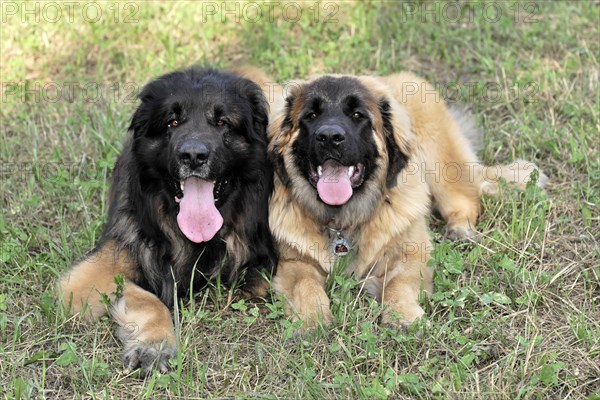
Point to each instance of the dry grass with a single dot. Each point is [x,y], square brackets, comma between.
[515,316]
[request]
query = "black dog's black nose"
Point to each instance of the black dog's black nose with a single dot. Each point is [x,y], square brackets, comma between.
[332,134]
[193,153]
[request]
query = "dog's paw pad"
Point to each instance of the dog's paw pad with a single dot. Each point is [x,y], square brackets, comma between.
[460,234]
[148,357]
[404,326]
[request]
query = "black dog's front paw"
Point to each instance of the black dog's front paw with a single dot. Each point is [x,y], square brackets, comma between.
[148,357]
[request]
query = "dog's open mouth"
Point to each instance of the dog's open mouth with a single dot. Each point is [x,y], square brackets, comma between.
[335,182]
[198,217]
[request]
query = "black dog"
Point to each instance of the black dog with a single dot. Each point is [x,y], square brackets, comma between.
[188,202]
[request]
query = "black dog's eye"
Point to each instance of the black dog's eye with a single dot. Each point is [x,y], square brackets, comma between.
[357,115]
[173,123]
[221,122]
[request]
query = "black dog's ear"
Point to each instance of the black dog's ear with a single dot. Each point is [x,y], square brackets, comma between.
[260,110]
[146,119]
[397,160]
[140,121]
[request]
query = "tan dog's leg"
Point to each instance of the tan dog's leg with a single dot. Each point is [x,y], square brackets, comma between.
[399,283]
[401,295]
[452,172]
[516,175]
[145,325]
[303,286]
[458,206]
[447,160]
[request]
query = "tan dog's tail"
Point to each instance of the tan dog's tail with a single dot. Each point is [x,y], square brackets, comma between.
[516,174]
[463,116]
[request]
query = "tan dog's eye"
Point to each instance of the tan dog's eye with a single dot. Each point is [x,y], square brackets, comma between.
[357,115]
[312,115]
[173,123]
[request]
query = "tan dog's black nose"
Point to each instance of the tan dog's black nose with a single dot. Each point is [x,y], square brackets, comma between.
[330,134]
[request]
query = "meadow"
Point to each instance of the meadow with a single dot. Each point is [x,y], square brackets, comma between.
[514,316]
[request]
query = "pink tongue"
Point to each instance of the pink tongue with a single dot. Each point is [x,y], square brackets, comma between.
[334,185]
[198,218]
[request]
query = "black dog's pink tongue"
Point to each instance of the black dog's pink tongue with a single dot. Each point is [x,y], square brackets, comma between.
[198,218]
[334,185]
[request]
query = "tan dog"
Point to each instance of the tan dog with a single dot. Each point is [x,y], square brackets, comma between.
[357,161]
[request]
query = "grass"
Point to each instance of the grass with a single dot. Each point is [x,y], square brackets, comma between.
[515,317]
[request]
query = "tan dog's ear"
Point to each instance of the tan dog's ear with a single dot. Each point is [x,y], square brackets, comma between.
[397,150]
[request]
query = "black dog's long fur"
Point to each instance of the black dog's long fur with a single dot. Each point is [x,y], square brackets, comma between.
[195,131]
[142,213]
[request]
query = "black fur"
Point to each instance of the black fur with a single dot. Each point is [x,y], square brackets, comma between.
[143,210]
[334,101]
[275,157]
[397,160]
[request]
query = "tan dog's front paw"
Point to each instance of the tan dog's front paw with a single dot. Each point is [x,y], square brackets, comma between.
[148,357]
[312,317]
[402,319]
[459,233]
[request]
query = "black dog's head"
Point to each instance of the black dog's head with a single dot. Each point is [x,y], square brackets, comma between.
[193,131]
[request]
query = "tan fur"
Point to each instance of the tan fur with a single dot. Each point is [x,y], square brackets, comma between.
[144,321]
[81,288]
[142,315]
[145,327]
[447,160]
[388,230]
[303,284]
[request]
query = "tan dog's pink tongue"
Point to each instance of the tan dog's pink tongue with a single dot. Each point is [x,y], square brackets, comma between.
[334,185]
[198,218]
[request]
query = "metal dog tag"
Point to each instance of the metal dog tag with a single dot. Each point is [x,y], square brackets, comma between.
[340,246]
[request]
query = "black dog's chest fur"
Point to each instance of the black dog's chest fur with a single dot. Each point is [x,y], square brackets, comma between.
[169,264]
[185,265]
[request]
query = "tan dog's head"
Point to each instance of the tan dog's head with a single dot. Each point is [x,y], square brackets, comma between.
[338,144]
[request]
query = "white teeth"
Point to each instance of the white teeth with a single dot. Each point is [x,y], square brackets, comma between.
[351,171]
[320,170]
[181,185]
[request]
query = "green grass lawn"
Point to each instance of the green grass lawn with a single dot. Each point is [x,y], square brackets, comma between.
[514,317]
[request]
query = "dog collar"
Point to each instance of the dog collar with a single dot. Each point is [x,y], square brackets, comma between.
[339,246]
